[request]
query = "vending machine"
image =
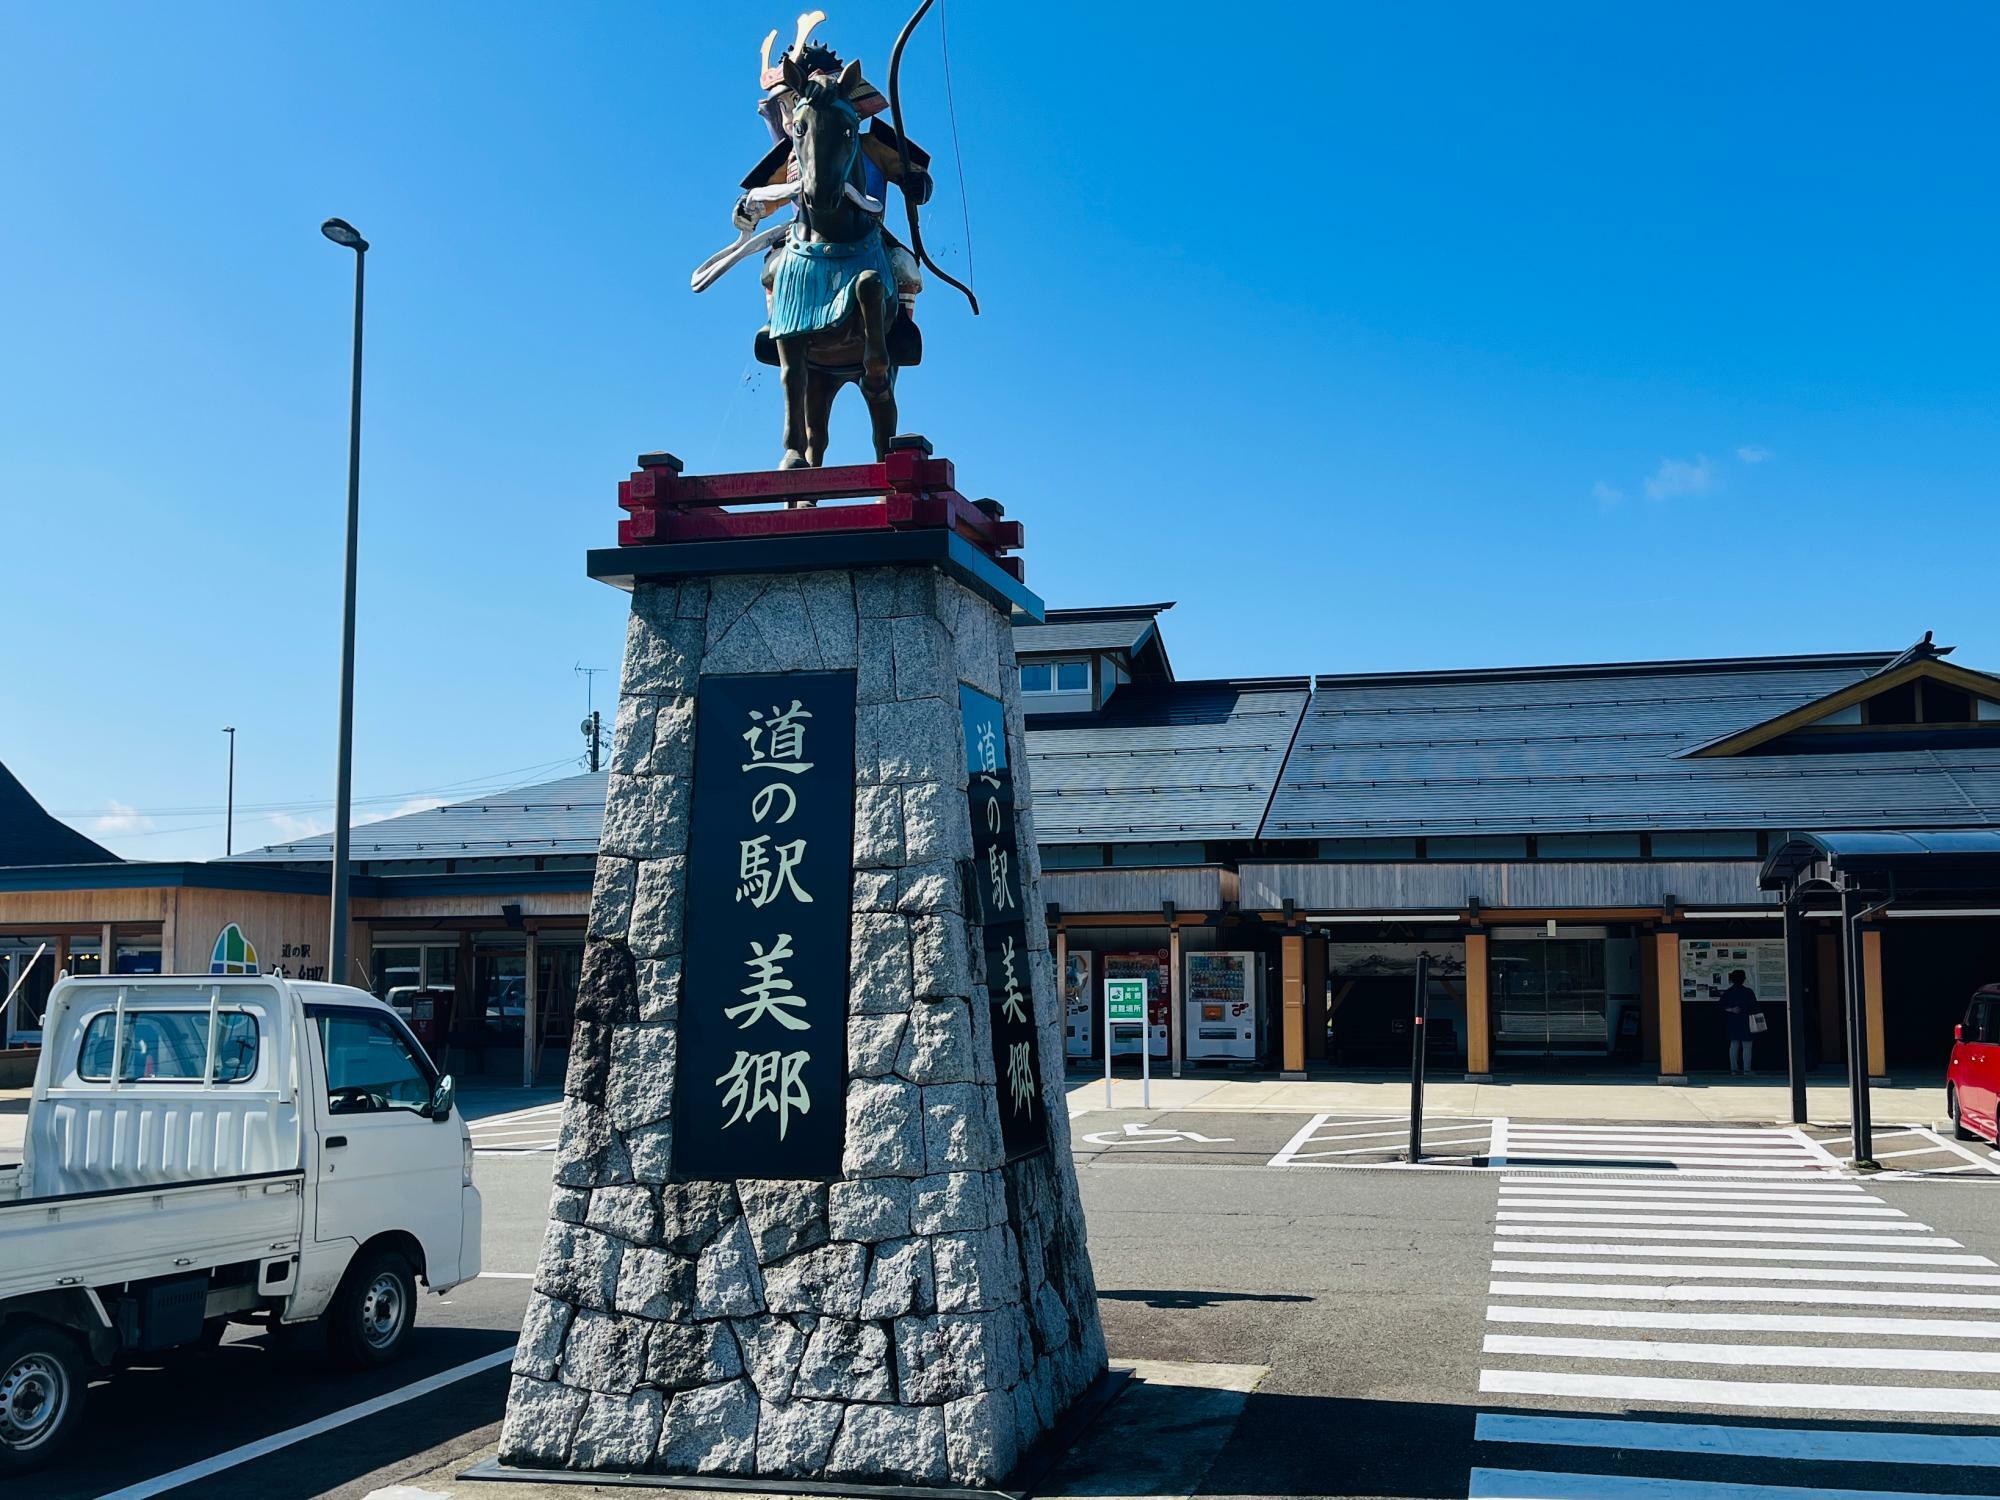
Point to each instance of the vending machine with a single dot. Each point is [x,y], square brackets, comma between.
[1157,971]
[1078,1006]
[1225,1006]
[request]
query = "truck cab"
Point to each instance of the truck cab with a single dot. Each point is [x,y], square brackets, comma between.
[207,1149]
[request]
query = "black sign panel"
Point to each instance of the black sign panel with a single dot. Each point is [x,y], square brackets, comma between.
[996,868]
[761,1070]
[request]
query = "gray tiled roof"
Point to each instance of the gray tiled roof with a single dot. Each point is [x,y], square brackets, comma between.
[1114,629]
[1165,762]
[1596,748]
[555,817]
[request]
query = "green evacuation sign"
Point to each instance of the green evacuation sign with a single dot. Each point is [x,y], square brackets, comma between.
[1125,1000]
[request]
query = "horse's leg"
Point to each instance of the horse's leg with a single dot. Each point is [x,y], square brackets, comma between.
[793,373]
[821,388]
[875,297]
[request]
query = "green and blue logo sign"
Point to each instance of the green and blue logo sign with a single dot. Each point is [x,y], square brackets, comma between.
[234,953]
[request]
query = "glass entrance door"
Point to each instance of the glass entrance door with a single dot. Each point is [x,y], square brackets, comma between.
[1549,997]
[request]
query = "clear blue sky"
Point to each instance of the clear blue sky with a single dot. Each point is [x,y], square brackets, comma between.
[1379,337]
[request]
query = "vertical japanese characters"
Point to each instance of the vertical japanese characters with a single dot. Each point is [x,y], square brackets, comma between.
[997,878]
[762,1051]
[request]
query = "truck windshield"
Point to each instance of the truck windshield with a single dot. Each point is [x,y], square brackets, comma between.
[170,1046]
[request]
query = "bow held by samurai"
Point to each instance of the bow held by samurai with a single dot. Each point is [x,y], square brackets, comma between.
[840,289]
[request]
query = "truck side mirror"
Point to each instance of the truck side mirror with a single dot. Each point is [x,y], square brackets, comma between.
[1958,1032]
[441,1098]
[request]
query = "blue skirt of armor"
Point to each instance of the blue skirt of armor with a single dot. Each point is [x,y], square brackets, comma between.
[812,285]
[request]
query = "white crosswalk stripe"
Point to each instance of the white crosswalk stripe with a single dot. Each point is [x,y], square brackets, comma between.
[1684,1330]
[1665,1149]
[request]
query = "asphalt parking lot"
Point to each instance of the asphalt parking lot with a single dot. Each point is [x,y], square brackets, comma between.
[1367,1293]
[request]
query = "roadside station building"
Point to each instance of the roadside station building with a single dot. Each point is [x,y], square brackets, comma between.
[1581,851]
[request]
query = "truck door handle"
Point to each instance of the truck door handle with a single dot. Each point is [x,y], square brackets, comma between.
[335,1142]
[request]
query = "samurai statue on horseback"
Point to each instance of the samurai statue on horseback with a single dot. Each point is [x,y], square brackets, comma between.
[840,289]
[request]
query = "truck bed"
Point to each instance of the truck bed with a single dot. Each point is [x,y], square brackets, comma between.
[125,1234]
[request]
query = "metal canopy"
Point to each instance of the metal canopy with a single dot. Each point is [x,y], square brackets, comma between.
[1861,872]
[1909,862]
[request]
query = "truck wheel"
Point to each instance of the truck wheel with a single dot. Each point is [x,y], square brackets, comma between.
[1958,1128]
[370,1316]
[41,1396]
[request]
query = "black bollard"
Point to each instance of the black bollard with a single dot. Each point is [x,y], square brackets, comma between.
[1416,1151]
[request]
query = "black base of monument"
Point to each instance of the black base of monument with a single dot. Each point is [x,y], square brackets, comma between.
[1021,1485]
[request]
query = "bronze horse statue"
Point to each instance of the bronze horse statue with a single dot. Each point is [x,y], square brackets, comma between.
[835,313]
[840,287]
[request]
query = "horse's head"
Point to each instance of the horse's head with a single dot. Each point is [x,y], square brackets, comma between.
[826,133]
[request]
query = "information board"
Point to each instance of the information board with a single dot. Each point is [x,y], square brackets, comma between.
[1706,963]
[996,865]
[761,1064]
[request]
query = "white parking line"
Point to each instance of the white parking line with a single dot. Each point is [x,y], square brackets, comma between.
[277,1441]
[1291,1148]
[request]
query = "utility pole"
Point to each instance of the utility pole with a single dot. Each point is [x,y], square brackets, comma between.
[229,806]
[592,726]
[343,233]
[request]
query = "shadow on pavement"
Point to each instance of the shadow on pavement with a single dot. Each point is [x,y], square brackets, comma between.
[151,1419]
[1185,1299]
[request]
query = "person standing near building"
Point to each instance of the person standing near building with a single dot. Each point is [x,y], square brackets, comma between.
[1739,1004]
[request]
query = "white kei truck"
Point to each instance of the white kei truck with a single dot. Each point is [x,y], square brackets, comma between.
[209,1149]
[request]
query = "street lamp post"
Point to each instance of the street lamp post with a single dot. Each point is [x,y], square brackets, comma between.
[343,233]
[229,805]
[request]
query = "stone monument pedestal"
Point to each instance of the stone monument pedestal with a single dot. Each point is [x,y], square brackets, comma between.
[814,1216]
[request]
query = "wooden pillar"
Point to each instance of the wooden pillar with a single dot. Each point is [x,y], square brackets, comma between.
[1318,992]
[1478,1010]
[1649,1010]
[1293,949]
[1177,1003]
[109,963]
[171,959]
[529,1018]
[1871,997]
[1667,983]
[1827,992]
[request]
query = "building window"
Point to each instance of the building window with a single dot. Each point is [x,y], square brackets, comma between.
[1705,844]
[1184,853]
[411,966]
[29,979]
[1478,846]
[137,955]
[1072,856]
[1587,846]
[1055,676]
[1367,849]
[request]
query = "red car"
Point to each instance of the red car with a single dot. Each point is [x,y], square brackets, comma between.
[1972,1083]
